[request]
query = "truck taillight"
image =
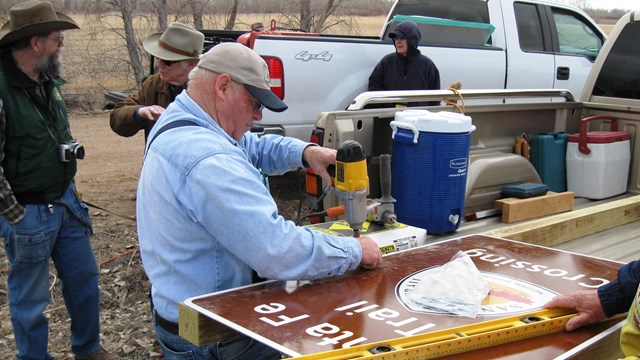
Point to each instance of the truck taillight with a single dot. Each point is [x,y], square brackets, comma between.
[317,136]
[313,186]
[276,73]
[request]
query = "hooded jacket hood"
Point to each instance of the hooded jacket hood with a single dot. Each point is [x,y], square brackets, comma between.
[409,30]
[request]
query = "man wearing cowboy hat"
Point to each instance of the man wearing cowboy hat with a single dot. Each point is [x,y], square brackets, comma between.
[176,52]
[42,216]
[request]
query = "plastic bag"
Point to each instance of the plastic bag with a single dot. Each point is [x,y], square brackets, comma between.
[456,288]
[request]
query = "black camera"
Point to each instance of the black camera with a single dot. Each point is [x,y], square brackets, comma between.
[71,150]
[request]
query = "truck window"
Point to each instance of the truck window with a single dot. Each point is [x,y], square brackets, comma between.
[575,35]
[529,27]
[620,73]
[464,10]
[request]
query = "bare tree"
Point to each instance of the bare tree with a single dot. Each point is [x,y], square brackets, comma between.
[163,13]
[110,17]
[130,37]
[329,10]
[233,15]
[196,10]
[320,15]
[305,15]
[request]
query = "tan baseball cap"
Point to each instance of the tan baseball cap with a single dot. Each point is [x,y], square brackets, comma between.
[246,67]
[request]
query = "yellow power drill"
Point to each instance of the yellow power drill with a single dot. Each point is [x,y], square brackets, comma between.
[352,183]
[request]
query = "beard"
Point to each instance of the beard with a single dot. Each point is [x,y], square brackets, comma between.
[50,65]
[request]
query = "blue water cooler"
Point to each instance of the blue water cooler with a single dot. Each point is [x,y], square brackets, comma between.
[430,158]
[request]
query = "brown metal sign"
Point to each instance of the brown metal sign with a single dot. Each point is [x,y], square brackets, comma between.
[300,318]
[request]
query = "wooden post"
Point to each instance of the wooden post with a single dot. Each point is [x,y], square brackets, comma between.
[560,228]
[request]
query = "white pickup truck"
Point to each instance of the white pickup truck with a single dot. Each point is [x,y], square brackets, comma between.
[612,91]
[534,44]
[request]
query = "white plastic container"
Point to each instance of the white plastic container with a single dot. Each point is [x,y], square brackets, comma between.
[604,171]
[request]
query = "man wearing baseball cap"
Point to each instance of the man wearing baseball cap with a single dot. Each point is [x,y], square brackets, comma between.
[176,51]
[205,217]
[42,216]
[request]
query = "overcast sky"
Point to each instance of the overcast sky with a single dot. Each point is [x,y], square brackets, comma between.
[606,4]
[615,4]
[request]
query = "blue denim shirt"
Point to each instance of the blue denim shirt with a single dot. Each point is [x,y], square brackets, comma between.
[205,218]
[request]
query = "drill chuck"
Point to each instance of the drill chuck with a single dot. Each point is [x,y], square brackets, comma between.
[355,207]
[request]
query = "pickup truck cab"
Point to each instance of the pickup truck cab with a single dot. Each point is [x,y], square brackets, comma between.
[534,44]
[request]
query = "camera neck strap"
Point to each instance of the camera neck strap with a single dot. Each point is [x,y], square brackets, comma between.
[45,122]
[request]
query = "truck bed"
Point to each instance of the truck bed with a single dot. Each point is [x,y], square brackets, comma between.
[605,239]
[619,243]
[592,228]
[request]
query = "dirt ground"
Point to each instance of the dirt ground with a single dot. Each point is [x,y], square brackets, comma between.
[107,178]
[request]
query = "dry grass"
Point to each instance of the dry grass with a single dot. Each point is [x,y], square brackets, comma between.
[96,58]
[607,27]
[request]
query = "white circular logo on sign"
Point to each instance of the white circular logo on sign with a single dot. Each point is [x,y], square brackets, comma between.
[507,295]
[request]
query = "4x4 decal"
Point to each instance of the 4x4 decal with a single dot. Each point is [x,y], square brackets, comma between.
[305,56]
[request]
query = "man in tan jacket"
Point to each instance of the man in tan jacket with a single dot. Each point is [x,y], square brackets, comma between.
[176,52]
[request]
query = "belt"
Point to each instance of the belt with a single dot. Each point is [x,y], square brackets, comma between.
[167,325]
[34,197]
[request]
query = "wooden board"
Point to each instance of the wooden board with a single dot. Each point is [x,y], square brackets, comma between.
[557,229]
[364,306]
[514,209]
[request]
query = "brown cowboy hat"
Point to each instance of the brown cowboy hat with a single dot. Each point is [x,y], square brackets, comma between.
[33,17]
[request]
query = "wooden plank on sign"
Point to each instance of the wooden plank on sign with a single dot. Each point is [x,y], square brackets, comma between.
[514,209]
[194,326]
[199,329]
[557,229]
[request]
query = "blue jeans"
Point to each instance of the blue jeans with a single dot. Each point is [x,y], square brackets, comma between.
[241,347]
[52,231]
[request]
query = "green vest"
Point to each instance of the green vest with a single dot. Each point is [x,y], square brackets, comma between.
[32,146]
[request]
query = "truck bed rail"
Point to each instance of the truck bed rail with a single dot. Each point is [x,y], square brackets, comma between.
[404,96]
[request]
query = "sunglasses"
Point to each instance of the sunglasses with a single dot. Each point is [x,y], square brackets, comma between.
[169,62]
